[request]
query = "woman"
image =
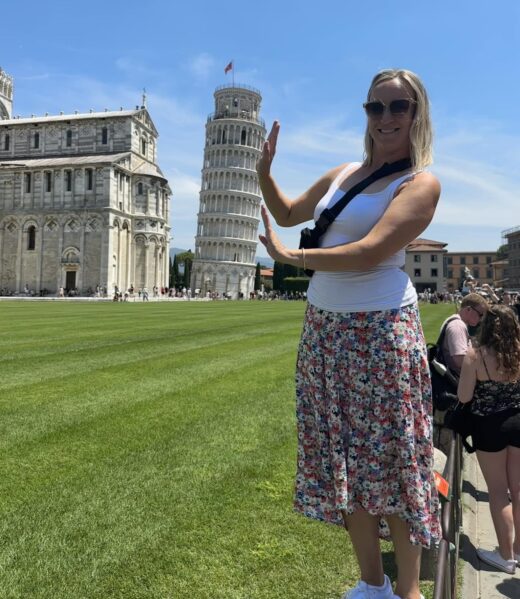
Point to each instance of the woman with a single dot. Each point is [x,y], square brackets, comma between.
[362,382]
[490,376]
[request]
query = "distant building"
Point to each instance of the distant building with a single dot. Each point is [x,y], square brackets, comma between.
[266,277]
[481,265]
[425,264]
[83,203]
[512,269]
[229,212]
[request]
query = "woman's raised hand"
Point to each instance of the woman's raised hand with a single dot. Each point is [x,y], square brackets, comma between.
[275,248]
[263,166]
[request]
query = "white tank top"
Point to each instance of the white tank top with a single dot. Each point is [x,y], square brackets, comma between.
[383,287]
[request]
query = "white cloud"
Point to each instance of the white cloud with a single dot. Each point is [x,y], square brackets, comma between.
[324,139]
[174,111]
[134,67]
[202,65]
[184,206]
[477,164]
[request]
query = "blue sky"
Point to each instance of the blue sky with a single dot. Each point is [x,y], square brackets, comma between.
[313,63]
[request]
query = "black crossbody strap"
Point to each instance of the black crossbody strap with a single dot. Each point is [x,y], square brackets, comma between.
[330,214]
[440,340]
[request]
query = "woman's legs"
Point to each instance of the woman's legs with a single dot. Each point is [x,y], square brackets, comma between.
[494,466]
[513,479]
[407,557]
[363,529]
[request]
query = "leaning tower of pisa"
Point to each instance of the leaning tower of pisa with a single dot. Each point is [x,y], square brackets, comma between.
[229,209]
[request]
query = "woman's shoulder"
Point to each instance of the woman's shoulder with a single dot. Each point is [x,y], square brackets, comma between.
[473,355]
[338,173]
[423,178]
[422,183]
[344,167]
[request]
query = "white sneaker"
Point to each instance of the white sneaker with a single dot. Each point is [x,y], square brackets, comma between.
[365,591]
[493,558]
[517,557]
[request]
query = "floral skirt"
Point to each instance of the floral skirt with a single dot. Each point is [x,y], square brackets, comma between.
[364,415]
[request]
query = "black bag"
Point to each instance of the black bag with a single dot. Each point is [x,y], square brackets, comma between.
[444,380]
[460,419]
[310,238]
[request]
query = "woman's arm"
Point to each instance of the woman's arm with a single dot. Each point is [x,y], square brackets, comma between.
[406,217]
[468,377]
[287,212]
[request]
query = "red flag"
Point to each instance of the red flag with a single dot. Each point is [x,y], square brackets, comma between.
[229,67]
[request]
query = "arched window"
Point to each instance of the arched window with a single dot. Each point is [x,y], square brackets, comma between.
[69,138]
[90,178]
[140,189]
[36,140]
[31,237]
[104,136]
[143,147]
[7,141]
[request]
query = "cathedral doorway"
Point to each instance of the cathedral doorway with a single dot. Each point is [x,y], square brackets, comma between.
[70,280]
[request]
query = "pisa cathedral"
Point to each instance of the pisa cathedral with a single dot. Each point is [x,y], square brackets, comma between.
[83,203]
[229,208]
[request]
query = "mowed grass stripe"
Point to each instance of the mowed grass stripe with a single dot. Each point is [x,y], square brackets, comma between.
[123,325]
[165,476]
[130,472]
[61,364]
[66,409]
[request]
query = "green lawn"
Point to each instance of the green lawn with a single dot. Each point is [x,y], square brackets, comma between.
[148,450]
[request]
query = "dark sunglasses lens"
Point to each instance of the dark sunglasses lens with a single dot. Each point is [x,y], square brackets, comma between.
[399,106]
[374,108]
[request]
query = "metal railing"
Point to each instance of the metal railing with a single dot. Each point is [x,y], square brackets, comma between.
[451,521]
[243,115]
[238,86]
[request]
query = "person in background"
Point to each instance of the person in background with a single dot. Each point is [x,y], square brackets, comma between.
[490,378]
[457,338]
[363,393]
[516,304]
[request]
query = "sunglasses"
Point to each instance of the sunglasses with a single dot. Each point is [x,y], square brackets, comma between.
[396,107]
[481,314]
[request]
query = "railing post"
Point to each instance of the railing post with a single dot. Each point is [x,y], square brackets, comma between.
[446,574]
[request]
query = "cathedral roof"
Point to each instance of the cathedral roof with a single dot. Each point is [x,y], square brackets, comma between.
[146,168]
[142,168]
[70,117]
[66,160]
[106,114]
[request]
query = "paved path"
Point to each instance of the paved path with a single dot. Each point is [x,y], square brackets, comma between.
[481,581]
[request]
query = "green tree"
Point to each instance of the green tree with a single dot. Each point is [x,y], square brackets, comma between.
[296,283]
[171,278]
[278,276]
[290,271]
[502,252]
[258,278]
[176,276]
[187,273]
[186,259]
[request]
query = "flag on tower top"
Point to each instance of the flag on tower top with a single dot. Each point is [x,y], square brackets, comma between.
[228,67]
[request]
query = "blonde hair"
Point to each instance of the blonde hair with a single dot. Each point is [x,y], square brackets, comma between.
[421,132]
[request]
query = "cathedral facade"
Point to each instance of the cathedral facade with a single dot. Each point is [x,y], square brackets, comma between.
[83,202]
